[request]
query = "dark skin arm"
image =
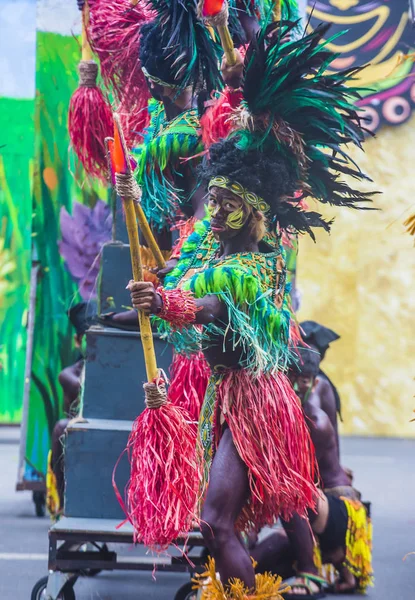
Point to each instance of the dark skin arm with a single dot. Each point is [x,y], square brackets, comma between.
[144,297]
[70,380]
[323,398]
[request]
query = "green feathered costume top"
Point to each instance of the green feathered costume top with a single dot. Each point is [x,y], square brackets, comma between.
[159,158]
[253,288]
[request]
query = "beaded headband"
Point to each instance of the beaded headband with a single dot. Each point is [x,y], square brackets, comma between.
[155,79]
[236,188]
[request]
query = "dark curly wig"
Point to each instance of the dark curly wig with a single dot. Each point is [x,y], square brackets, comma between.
[269,174]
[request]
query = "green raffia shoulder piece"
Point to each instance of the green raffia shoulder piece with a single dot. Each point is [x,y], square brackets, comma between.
[165,144]
[247,284]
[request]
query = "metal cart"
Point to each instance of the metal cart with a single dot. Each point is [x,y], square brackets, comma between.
[79,547]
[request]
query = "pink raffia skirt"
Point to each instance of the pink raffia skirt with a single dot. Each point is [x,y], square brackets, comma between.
[268,428]
[189,378]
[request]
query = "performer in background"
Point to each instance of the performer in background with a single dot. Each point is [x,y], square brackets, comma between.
[81,316]
[258,460]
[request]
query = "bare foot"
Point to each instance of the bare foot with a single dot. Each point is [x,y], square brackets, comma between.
[347,581]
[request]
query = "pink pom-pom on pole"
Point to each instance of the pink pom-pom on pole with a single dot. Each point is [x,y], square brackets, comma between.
[114,34]
[90,115]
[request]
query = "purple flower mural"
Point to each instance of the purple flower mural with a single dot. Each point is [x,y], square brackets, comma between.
[83,235]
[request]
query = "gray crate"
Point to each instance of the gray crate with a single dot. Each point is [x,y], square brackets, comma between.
[92,450]
[115,373]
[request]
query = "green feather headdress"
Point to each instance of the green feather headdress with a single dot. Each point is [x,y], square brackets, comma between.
[294,110]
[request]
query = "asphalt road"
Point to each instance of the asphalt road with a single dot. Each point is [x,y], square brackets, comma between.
[384,472]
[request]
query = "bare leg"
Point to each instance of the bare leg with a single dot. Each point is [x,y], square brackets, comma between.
[275,555]
[300,535]
[226,495]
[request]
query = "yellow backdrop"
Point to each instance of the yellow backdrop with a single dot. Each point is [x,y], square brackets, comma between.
[360,282]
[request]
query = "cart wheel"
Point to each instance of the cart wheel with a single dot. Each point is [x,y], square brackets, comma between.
[186,592]
[39,591]
[39,499]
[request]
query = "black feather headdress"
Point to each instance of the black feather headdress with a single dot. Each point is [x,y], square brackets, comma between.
[298,119]
[184,45]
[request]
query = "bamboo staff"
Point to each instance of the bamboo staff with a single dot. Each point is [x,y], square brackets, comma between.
[276,11]
[215,13]
[122,167]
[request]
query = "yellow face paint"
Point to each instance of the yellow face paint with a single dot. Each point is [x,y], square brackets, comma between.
[236,219]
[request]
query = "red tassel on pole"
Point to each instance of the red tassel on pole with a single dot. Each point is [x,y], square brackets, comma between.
[162,493]
[90,114]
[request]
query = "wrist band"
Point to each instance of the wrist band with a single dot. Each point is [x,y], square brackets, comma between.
[179,306]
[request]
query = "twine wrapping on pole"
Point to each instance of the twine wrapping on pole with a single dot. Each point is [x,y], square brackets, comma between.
[88,73]
[126,186]
[155,394]
[220,19]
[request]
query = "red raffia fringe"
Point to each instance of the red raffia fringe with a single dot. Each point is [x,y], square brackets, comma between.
[188,383]
[216,123]
[89,123]
[114,34]
[179,306]
[163,490]
[271,436]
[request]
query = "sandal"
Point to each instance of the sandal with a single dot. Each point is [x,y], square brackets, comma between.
[310,595]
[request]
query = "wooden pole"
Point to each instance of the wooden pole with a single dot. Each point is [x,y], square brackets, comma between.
[227,44]
[143,319]
[148,235]
[120,151]
[276,11]
[86,48]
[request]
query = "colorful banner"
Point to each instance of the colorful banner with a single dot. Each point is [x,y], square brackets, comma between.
[359,281]
[58,182]
[378,34]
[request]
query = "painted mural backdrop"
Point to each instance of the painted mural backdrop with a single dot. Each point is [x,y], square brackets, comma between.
[17,86]
[379,34]
[360,280]
[58,197]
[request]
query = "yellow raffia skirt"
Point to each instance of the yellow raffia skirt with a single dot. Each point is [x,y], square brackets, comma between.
[358,545]
[268,587]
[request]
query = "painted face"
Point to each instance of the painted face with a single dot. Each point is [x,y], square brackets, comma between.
[228,213]
[303,385]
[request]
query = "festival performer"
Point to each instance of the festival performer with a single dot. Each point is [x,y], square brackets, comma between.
[303,375]
[343,534]
[340,515]
[258,460]
[81,316]
[319,337]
